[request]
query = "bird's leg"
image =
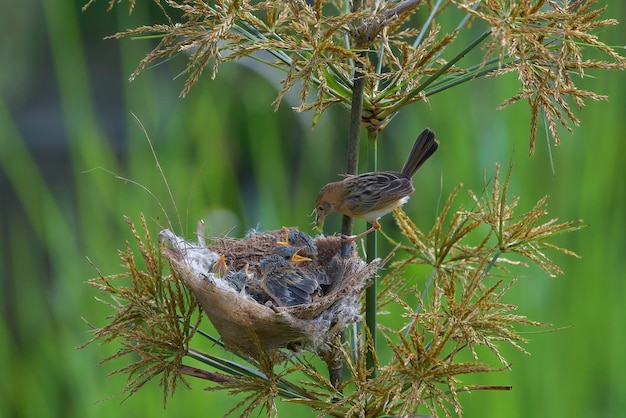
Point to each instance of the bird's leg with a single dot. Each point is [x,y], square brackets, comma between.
[351,238]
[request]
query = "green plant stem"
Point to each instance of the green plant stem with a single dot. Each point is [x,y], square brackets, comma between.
[354,136]
[427,23]
[418,308]
[372,253]
[492,262]
[223,365]
[446,84]
[336,373]
[234,369]
[547,133]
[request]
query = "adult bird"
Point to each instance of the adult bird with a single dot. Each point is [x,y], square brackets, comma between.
[371,195]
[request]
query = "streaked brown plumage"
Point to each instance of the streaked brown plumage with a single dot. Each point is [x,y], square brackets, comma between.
[371,195]
[285,283]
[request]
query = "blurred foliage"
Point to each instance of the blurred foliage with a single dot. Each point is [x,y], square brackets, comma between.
[66,125]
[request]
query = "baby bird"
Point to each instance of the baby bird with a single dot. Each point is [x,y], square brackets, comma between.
[219,268]
[305,250]
[289,253]
[285,282]
[303,242]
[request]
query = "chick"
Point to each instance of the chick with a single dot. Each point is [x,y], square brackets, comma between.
[285,282]
[301,247]
[291,254]
[300,240]
[219,268]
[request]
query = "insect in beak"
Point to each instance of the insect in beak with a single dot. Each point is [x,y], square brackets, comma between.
[319,222]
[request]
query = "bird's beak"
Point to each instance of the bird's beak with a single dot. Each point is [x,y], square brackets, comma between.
[319,221]
[297,258]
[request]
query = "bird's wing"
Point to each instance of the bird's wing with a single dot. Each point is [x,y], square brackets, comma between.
[290,288]
[371,191]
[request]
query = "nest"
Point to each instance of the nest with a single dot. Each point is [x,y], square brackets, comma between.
[229,281]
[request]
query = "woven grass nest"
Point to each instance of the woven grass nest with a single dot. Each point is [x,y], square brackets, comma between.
[225,276]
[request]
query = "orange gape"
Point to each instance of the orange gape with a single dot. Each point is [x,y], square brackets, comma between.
[371,195]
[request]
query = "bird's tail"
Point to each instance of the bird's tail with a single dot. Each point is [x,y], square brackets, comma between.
[425,146]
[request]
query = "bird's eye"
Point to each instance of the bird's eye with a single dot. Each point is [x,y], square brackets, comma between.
[320,208]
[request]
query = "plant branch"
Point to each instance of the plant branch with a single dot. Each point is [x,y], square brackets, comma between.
[352,166]
[356,111]
[372,253]
[203,374]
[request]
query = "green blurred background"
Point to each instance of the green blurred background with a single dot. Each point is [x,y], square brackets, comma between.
[66,126]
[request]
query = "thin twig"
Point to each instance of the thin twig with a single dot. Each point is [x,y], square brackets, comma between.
[203,374]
